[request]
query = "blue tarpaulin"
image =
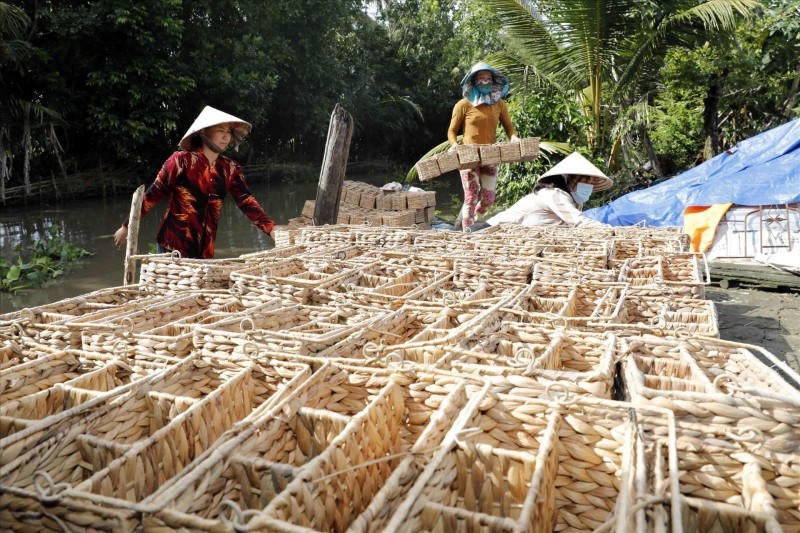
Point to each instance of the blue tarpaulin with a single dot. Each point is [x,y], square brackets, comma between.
[762,170]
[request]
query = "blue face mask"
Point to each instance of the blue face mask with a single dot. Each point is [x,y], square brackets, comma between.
[582,193]
[484,88]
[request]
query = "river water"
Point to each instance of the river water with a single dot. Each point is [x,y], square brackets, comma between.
[91,224]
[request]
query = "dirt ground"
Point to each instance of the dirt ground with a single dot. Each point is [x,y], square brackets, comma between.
[766,318]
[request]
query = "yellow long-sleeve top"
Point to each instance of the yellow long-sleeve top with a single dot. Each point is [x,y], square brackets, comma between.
[479,123]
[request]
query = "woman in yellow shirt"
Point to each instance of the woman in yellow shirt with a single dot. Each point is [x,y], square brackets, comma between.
[478,114]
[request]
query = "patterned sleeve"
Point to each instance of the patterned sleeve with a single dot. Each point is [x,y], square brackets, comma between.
[164,183]
[456,121]
[246,202]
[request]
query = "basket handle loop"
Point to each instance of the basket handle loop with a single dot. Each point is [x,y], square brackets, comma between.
[239,518]
[49,492]
[340,255]
[727,383]
[267,272]
[250,349]
[27,315]
[121,346]
[370,350]
[243,325]
[381,242]
[175,255]
[562,399]
[127,323]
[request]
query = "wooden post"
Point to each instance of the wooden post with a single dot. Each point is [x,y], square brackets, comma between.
[334,165]
[133,235]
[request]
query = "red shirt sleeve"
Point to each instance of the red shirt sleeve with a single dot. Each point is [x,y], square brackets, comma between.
[164,183]
[238,188]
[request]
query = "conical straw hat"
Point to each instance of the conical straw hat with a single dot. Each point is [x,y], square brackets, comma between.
[575,163]
[211,117]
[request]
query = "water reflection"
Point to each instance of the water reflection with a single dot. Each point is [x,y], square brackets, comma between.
[91,224]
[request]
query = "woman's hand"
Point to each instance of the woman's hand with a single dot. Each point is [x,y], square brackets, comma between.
[121,237]
[514,139]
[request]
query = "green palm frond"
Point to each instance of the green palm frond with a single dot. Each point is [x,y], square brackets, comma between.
[715,14]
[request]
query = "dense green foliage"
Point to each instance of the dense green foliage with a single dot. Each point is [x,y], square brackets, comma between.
[645,88]
[44,259]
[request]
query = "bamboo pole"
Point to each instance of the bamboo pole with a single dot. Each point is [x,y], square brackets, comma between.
[334,165]
[133,235]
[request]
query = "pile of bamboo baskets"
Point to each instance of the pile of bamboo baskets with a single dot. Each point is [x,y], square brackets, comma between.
[362,203]
[467,156]
[372,379]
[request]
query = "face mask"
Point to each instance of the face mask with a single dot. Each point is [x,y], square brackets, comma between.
[582,193]
[484,88]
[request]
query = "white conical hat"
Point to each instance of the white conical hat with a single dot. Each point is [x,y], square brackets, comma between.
[211,117]
[575,163]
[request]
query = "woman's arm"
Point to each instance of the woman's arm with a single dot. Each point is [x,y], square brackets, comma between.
[505,120]
[564,207]
[456,121]
[247,203]
[164,183]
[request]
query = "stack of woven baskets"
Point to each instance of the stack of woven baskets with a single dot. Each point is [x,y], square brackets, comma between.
[374,379]
[362,203]
[468,156]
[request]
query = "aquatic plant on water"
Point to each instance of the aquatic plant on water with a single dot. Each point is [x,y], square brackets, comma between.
[41,261]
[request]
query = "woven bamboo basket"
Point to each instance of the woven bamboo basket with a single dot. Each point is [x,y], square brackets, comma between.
[126,463]
[469,156]
[416,200]
[27,410]
[367,200]
[581,363]
[308,208]
[399,201]
[700,364]
[384,202]
[324,234]
[273,255]
[684,275]
[509,152]
[516,465]
[583,305]
[666,316]
[529,149]
[41,373]
[427,169]
[298,329]
[290,280]
[172,273]
[728,481]
[399,219]
[476,270]
[383,237]
[92,302]
[490,154]
[448,161]
[682,386]
[321,420]
[431,198]
[173,340]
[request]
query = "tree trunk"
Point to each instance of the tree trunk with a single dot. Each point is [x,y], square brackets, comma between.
[711,116]
[334,166]
[3,168]
[651,152]
[26,159]
[791,98]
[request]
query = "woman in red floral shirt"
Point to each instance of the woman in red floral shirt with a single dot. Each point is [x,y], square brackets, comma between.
[196,179]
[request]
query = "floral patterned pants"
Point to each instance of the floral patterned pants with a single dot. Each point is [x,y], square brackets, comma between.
[479,186]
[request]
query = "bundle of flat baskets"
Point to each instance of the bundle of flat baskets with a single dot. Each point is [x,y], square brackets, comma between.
[362,378]
[467,156]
